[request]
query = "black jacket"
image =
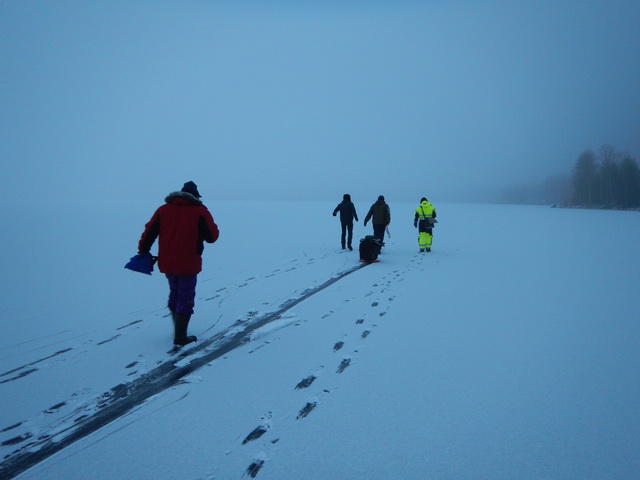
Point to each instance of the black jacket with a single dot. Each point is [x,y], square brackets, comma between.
[347,211]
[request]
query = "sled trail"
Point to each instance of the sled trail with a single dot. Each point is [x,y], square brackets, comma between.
[124,397]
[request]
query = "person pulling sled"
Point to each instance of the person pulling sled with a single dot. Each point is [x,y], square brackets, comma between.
[380,215]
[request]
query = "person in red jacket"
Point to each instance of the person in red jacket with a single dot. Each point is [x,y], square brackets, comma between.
[183,224]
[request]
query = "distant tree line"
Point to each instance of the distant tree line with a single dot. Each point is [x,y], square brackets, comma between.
[610,180]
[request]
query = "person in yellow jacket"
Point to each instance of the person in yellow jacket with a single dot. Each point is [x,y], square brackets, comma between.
[424,219]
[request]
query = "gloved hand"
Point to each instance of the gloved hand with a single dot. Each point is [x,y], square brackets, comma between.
[365,224]
[334,214]
[415,224]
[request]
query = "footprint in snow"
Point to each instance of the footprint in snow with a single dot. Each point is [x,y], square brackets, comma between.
[56,407]
[344,364]
[306,410]
[255,434]
[260,429]
[11,427]
[254,468]
[305,382]
[16,440]
[108,340]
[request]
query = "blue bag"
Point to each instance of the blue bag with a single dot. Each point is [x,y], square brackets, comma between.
[142,263]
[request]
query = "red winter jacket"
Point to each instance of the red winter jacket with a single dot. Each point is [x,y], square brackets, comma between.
[183,224]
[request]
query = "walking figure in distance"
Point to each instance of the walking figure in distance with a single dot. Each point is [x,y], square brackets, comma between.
[347,213]
[380,215]
[182,224]
[424,219]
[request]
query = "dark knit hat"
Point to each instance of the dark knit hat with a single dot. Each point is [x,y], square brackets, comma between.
[191,188]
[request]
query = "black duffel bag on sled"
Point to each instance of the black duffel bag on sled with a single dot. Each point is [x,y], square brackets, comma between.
[369,248]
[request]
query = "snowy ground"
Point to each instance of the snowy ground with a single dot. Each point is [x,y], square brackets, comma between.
[510,351]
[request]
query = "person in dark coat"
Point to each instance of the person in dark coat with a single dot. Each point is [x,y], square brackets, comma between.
[183,224]
[347,213]
[380,215]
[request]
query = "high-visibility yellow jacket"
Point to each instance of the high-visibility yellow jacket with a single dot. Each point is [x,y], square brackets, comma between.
[423,212]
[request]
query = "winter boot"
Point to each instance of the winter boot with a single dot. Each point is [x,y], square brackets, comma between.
[181,324]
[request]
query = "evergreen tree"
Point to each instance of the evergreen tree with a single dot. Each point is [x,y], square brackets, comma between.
[629,190]
[608,181]
[585,179]
[613,181]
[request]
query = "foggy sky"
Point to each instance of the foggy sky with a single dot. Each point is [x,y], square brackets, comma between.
[120,101]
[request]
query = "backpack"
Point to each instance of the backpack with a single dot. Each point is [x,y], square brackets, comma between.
[369,248]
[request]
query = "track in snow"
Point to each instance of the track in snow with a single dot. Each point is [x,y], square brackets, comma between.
[122,398]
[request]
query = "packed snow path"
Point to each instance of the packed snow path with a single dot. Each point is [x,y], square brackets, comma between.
[124,397]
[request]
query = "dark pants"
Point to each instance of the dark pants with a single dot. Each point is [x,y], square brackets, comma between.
[347,228]
[378,231]
[182,293]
